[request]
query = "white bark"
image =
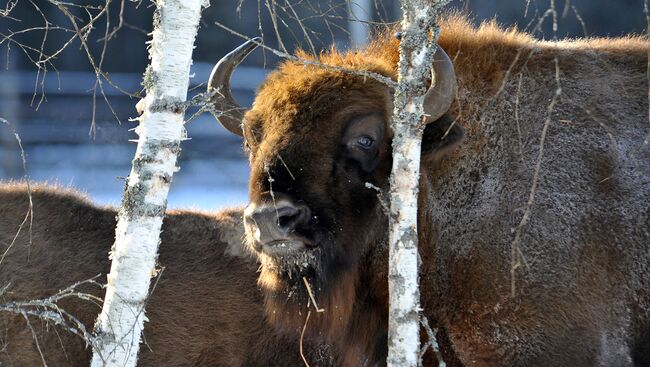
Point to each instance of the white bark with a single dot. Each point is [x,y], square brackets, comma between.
[416,58]
[137,235]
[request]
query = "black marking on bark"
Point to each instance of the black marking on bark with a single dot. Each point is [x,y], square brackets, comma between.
[133,204]
[168,104]
[409,236]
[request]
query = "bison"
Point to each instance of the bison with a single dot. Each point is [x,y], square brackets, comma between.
[204,310]
[534,252]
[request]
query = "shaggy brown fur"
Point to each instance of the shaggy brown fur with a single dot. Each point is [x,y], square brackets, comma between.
[205,310]
[581,295]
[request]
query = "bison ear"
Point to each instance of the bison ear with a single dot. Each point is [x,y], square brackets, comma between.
[440,138]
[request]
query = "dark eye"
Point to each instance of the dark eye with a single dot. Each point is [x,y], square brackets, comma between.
[365,142]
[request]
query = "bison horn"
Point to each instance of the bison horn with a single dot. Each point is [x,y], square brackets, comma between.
[231,113]
[443,90]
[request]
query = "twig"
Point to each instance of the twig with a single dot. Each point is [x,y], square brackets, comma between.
[368,74]
[431,343]
[380,196]
[521,145]
[646,10]
[517,257]
[30,210]
[35,337]
[48,310]
[580,20]
[302,334]
[311,295]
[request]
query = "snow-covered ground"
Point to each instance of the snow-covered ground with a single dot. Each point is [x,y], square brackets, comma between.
[99,171]
[210,176]
[213,169]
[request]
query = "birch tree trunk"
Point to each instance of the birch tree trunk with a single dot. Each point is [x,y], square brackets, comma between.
[417,48]
[360,15]
[137,235]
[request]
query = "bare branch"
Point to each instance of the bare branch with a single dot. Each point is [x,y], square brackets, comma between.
[389,82]
[30,210]
[48,310]
[517,258]
[302,335]
[646,10]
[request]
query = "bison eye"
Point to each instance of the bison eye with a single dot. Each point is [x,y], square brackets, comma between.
[365,142]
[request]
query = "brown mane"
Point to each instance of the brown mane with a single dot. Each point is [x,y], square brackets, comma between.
[481,54]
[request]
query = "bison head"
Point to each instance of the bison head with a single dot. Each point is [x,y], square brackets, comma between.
[319,145]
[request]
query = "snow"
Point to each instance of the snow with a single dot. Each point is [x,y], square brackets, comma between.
[213,168]
[99,171]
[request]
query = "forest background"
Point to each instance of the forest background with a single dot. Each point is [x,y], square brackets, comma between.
[75,131]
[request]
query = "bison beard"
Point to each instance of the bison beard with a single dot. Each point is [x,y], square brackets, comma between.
[319,142]
[333,277]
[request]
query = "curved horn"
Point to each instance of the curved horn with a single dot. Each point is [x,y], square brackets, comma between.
[442,92]
[232,114]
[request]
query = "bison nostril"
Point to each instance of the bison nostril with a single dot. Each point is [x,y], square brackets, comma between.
[289,217]
[286,221]
[268,223]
